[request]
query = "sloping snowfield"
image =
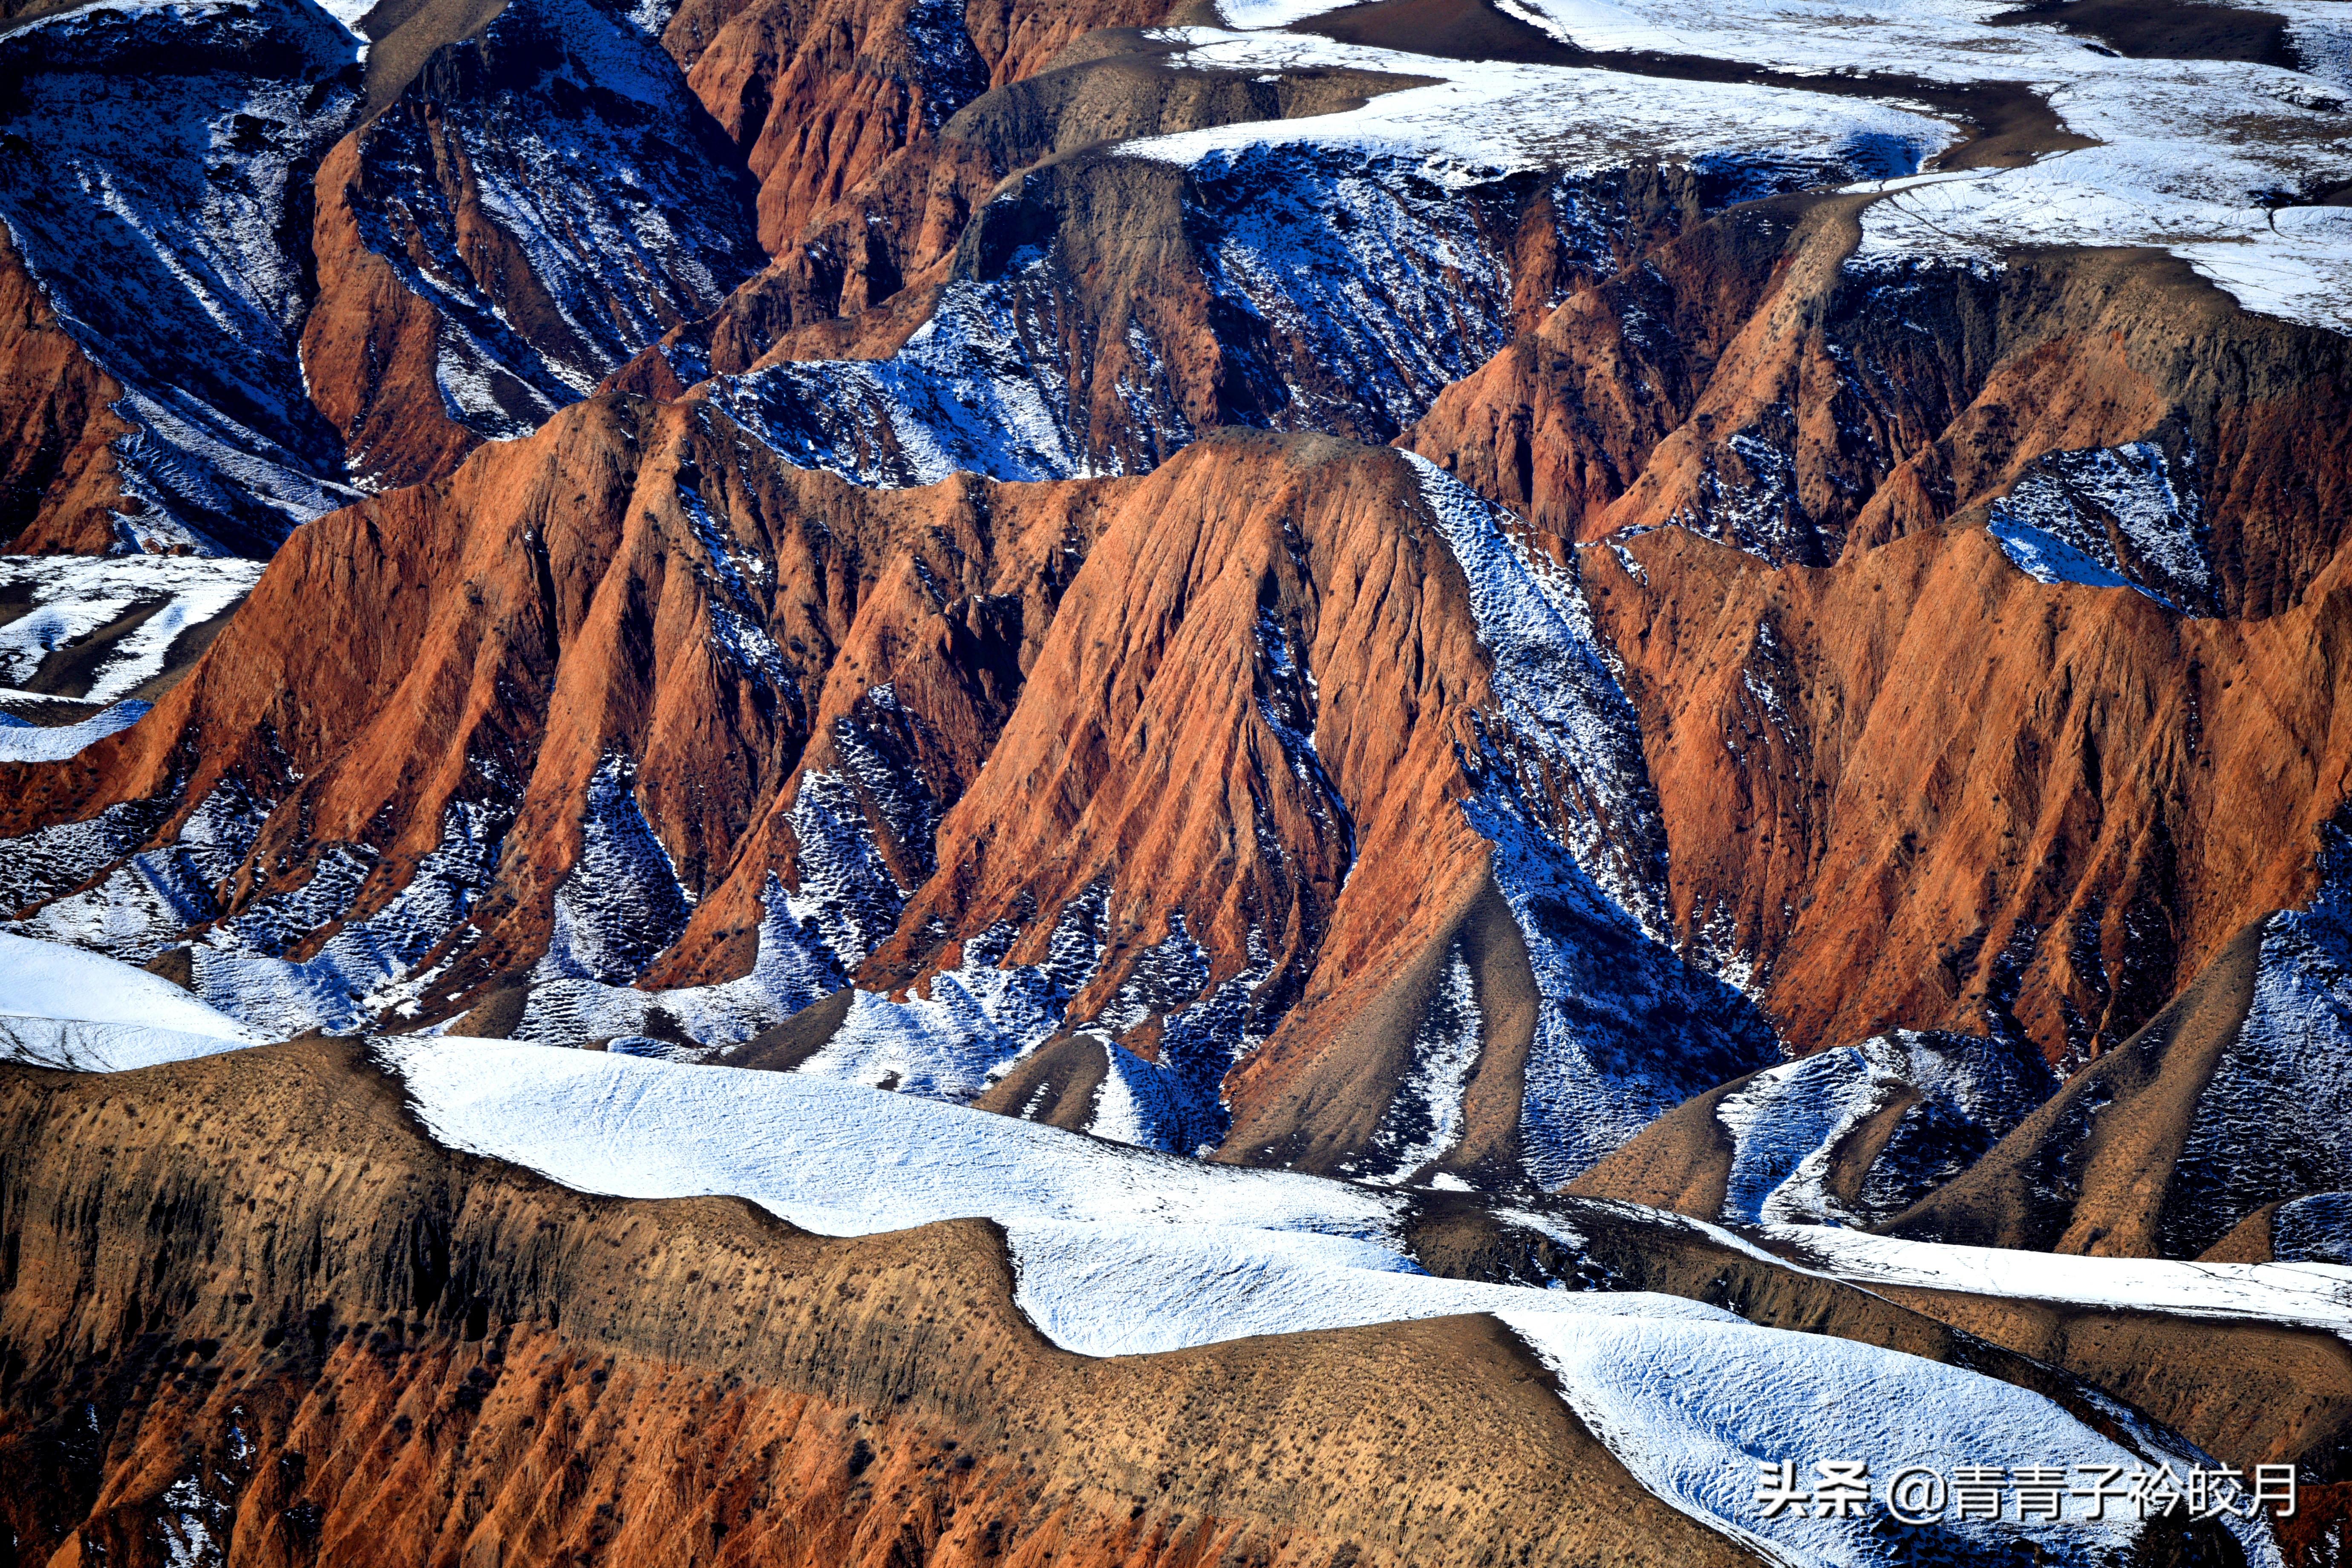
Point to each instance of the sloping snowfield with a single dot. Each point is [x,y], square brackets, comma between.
[2309,1295]
[62,1007]
[1121,1251]
[72,598]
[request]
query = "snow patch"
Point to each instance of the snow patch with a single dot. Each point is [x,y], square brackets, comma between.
[74,596]
[2307,1294]
[23,743]
[1965,1093]
[2108,518]
[1627,1031]
[61,1007]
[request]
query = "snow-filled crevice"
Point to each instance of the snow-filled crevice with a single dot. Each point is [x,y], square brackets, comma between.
[1961,1094]
[967,1024]
[790,968]
[739,622]
[1627,1030]
[848,892]
[1289,703]
[621,903]
[2111,517]
[1176,1101]
[371,964]
[149,900]
[52,860]
[1424,1117]
[2275,1118]
[570,130]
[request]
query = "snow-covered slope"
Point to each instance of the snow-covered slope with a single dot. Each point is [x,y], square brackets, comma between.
[151,600]
[152,165]
[1953,1097]
[22,742]
[62,1007]
[2317,1229]
[2310,1294]
[1628,1029]
[2275,1118]
[1120,1251]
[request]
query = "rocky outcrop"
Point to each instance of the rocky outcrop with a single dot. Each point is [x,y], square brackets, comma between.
[1754,386]
[154,169]
[1924,788]
[841,108]
[539,201]
[502,630]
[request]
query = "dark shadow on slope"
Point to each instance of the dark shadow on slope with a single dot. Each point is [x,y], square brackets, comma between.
[2166,29]
[793,1041]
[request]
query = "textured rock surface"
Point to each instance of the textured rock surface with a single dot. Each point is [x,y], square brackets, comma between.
[459,1358]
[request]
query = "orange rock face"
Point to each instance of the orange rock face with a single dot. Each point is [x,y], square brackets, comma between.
[839,107]
[1919,787]
[57,482]
[1931,789]
[1226,718]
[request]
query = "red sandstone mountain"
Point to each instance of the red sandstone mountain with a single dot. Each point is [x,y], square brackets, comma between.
[853,566]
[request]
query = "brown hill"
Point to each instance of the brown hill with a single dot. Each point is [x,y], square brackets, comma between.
[465,1359]
[1139,734]
[462,1359]
[1717,387]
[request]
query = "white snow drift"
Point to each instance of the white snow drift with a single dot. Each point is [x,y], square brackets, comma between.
[1121,1250]
[62,1007]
